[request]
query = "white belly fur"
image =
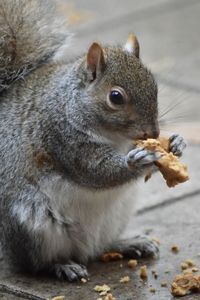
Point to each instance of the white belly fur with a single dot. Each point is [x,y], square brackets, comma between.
[101,216]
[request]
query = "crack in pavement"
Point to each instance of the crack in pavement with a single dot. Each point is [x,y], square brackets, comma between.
[168,202]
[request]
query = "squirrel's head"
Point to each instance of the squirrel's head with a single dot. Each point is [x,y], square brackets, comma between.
[120,93]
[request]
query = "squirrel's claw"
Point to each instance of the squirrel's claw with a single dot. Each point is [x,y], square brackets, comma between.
[140,156]
[177,144]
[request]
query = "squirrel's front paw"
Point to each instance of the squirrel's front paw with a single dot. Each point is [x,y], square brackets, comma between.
[141,157]
[177,144]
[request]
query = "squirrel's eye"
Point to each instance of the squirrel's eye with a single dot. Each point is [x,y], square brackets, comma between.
[116,98]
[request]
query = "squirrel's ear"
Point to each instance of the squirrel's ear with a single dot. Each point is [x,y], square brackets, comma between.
[132,45]
[95,60]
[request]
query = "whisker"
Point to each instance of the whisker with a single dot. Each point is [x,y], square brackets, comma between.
[169,109]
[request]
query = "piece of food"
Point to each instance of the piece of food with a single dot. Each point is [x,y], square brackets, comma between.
[152,290]
[173,171]
[102,288]
[109,297]
[83,280]
[184,284]
[163,284]
[111,256]
[125,279]
[175,249]
[154,273]
[143,272]
[58,298]
[132,263]
[188,264]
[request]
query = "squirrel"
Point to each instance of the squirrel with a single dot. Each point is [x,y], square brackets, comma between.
[67,160]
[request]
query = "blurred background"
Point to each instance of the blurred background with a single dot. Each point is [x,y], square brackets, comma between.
[168,32]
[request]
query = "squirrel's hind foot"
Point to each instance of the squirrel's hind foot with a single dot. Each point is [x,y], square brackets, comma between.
[140,246]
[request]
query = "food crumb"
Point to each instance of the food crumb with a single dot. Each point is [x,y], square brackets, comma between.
[111,256]
[58,298]
[102,288]
[152,290]
[175,249]
[132,263]
[185,283]
[143,272]
[163,284]
[167,271]
[154,273]
[83,280]
[124,279]
[184,266]
[109,297]
[194,269]
[104,293]
[190,263]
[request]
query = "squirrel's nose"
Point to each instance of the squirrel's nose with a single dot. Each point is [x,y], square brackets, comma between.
[154,134]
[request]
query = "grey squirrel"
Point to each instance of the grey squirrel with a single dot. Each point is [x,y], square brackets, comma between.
[67,160]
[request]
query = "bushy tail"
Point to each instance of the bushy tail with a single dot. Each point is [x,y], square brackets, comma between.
[31,33]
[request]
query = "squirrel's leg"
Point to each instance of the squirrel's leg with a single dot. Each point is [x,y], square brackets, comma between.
[36,239]
[104,167]
[140,246]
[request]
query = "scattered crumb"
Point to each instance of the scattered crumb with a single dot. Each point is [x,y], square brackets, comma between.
[143,272]
[121,265]
[104,293]
[190,263]
[99,298]
[155,239]
[83,280]
[125,279]
[175,249]
[187,271]
[152,290]
[132,263]
[167,271]
[194,269]
[154,273]
[184,266]
[58,298]
[109,297]
[185,283]
[163,284]
[102,288]
[111,256]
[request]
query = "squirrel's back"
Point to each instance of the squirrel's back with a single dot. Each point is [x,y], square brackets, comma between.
[31,33]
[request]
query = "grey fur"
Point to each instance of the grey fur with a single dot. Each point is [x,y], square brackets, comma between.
[65,183]
[30,35]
